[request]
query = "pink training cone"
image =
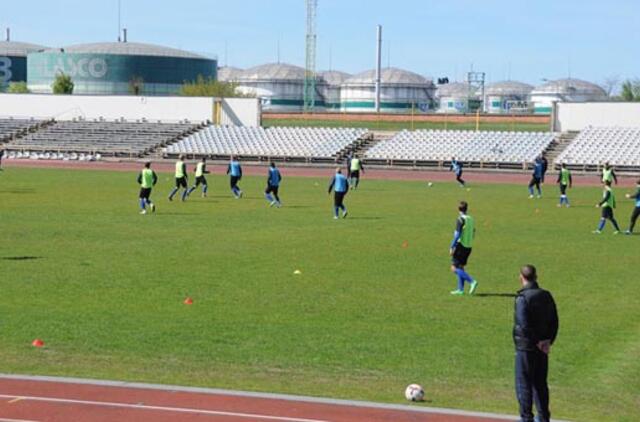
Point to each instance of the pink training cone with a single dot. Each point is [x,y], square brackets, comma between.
[37,343]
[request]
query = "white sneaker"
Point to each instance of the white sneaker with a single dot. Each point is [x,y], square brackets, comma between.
[530,196]
[272,203]
[335,217]
[143,212]
[153,207]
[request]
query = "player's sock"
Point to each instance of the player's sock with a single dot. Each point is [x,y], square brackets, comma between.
[142,203]
[173,192]
[539,191]
[460,281]
[601,225]
[615,224]
[184,195]
[335,211]
[531,190]
[344,211]
[205,188]
[269,197]
[191,189]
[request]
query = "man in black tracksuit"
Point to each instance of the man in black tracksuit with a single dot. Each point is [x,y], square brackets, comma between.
[534,331]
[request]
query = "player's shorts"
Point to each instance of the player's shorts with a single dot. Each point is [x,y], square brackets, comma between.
[145,193]
[355,174]
[563,189]
[233,181]
[338,198]
[535,181]
[271,189]
[460,256]
[181,182]
[607,212]
[200,180]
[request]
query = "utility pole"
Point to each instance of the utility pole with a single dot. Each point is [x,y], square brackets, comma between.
[378,67]
[310,68]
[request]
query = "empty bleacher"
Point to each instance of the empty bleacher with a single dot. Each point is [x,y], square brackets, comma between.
[309,144]
[593,146]
[11,128]
[478,149]
[118,139]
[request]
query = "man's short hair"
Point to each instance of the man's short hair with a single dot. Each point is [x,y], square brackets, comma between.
[638,182]
[529,272]
[147,164]
[463,206]
[338,170]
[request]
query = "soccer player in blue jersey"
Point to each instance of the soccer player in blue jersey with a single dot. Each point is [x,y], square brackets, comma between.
[636,211]
[340,186]
[181,179]
[456,168]
[536,177]
[200,170]
[234,170]
[273,184]
[608,204]
[460,249]
[565,181]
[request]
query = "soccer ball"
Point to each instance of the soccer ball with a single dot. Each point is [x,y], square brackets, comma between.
[414,392]
[430,184]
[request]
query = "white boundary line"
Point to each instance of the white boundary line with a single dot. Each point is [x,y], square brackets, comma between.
[160,408]
[272,396]
[16,420]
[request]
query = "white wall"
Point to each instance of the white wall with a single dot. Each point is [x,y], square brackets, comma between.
[576,116]
[239,111]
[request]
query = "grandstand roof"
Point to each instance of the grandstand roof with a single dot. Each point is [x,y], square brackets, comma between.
[273,71]
[18,49]
[508,88]
[389,76]
[129,49]
[569,86]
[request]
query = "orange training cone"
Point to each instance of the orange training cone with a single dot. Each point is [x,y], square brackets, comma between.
[405,244]
[37,343]
[188,301]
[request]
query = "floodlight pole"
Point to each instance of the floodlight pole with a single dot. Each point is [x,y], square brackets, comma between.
[378,67]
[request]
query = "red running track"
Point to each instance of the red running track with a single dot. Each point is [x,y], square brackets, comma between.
[472,176]
[27,399]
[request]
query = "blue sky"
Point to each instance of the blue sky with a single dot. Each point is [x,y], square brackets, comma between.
[526,40]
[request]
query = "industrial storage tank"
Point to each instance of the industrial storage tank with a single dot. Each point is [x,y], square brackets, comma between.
[13,60]
[570,89]
[118,68]
[229,74]
[279,86]
[329,87]
[401,91]
[457,97]
[507,97]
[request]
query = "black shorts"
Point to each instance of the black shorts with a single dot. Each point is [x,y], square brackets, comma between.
[460,256]
[355,174]
[181,182]
[563,189]
[338,198]
[271,189]
[145,193]
[233,181]
[607,212]
[200,180]
[534,181]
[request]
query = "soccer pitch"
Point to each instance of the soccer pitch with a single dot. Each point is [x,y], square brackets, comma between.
[369,313]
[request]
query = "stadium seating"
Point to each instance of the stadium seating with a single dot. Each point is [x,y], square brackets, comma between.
[10,128]
[469,146]
[593,146]
[285,142]
[76,139]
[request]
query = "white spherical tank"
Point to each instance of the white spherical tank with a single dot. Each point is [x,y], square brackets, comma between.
[570,90]
[507,97]
[279,86]
[229,74]
[329,87]
[401,91]
[456,97]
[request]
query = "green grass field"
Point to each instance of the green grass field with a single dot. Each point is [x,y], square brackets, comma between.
[365,318]
[396,126]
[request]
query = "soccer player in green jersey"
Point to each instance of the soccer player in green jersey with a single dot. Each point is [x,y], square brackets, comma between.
[201,170]
[181,179]
[607,204]
[147,180]
[564,180]
[460,249]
